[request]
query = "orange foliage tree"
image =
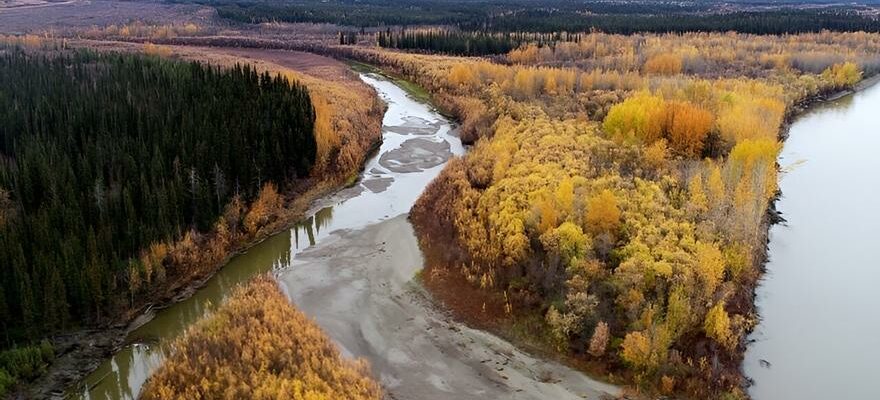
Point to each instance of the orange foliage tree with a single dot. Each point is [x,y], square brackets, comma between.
[665,64]
[688,125]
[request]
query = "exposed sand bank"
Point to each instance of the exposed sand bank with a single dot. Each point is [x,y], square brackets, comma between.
[360,286]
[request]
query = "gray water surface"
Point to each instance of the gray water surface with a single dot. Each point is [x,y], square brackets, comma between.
[820,299]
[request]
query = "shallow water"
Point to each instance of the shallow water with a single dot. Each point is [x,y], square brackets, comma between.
[819,301]
[417,142]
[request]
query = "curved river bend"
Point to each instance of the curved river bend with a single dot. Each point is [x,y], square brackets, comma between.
[351,265]
[820,332]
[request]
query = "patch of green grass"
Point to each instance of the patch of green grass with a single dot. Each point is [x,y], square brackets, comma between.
[531,328]
[23,364]
[7,382]
[351,180]
[414,90]
[417,92]
[363,68]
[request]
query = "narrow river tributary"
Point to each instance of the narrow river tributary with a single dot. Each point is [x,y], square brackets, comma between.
[819,337]
[351,266]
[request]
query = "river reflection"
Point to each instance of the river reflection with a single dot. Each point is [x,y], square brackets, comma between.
[131,367]
[124,374]
[820,332]
[311,227]
[420,138]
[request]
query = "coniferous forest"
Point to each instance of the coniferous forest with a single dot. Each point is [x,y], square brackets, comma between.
[450,42]
[103,155]
[551,15]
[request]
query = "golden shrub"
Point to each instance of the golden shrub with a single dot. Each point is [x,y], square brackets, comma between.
[258,346]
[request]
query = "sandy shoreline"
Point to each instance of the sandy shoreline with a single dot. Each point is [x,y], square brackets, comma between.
[360,286]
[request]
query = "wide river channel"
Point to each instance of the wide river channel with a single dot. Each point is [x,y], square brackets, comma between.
[351,266]
[819,302]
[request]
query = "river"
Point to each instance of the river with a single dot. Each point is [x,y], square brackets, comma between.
[819,337]
[351,265]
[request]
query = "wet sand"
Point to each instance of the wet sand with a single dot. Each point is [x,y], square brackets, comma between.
[360,286]
[416,155]
[377,185]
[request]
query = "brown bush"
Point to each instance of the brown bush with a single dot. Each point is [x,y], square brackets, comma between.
[599,341]
[664,64]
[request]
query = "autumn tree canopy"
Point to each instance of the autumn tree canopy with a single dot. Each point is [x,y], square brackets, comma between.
[258,346]
[620,189]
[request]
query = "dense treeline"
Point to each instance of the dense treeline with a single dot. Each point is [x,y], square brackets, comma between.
[615,202]
[763,22]
[449,42]
[258,346]
[102,156]
[465,43]
[352,12]
[553,16]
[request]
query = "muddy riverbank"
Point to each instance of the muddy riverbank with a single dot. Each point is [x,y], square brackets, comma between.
[360,286]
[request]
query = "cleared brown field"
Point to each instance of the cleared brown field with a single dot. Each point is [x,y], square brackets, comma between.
[311,64]
[24,16]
